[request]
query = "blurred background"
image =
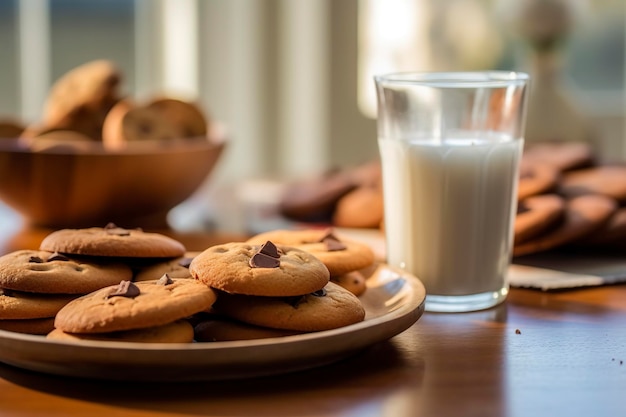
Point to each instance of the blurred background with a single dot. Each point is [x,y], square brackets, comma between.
[292,79]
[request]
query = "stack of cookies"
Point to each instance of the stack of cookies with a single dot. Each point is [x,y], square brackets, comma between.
[36,284]
[147,311]
[115,284]
[272,286]
[565,199]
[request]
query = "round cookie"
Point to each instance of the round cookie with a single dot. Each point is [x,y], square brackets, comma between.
[223,329]
[128,123]
[129,306]
[352,281]
[177,268]
[80,99]
[361,208]
[50,273]
[605,180]
[536,178]
[186,117]
[179,331]
[612,233]
[563,156]
[536,215]
[339,255]
[329,308]
[21,305]
[583,215]
[39,327]
[315,198]
[112,241]
[231,268]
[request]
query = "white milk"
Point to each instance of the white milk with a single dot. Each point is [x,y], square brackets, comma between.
[449,210]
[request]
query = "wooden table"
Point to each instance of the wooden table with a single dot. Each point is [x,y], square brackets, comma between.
[539,354]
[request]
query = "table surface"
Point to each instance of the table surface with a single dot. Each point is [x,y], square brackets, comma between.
[538,354]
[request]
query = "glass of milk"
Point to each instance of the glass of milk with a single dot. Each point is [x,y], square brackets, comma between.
[450,146]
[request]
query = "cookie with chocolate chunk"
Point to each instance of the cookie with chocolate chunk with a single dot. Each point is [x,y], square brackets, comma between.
[128,306]
[328,308]
[340,255]
[112,241]
[128,123]
[264,269]
[180,331]
[53,273]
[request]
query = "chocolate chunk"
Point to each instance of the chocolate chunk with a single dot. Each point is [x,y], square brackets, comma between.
[294,301]
[185,262]
[165,280]
[56,256]
[334,245]
[35,260]
[319,293]
[261,260]
[270,249]
[125,289]
[329,235]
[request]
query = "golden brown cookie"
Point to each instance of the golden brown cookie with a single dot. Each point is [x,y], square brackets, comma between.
[186,117]
[325,309]
[353,281]
[80,99]
[112,241]
[536,215]
[39,327]
[265,270]
[340,255]
[612,233]
[127,123]
[563,156]
[22,305]
[536,178]
[179,331]
[51,273]
[175,268]
[128,306]
[220,329]
[360,208]
[583,215]
[606,180]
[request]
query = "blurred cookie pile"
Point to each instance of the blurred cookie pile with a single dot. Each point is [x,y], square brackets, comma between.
[565,198]
[115,284]
[86,106]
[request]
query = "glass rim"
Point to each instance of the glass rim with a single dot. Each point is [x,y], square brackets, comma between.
[454,79]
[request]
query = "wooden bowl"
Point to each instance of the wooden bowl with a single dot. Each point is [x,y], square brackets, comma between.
[86,185]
